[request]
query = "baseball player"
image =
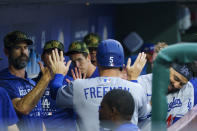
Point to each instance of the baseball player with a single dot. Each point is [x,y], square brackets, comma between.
[92,40]
[181,95]
[85,95]
[23,92]
[8,117]
[144,80]
[116,111]
[54,118]
[79,54]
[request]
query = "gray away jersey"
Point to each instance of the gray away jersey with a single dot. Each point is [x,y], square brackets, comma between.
[146,82]
[179,103]
[85,96]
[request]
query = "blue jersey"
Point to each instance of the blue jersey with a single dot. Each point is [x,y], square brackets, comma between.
[56,118]
[127,127]
[8,115]
[18,88]
[59,81]
[95,74]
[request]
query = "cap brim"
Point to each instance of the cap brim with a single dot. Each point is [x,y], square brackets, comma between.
[92,48]
[73,52]
[49,50]
[68,53]
[28,41]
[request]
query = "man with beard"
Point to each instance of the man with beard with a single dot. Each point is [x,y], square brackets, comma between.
[25,95]
[181,93]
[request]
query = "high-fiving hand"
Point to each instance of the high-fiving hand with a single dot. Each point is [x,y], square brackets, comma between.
[76,75]
[57,64]
[45,71]
[134,71]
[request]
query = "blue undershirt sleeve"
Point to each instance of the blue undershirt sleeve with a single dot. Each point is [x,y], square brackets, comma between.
[55,84]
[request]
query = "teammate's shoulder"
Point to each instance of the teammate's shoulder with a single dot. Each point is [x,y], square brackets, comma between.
[146,76]
[189,85]
[136,84]
[131,83]
[187,88]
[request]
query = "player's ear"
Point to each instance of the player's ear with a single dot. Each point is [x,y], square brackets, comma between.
[6,51]
[115,111]
[42,57]
[114,114]
[89,57]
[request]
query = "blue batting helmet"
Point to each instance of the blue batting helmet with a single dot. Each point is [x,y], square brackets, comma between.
[110,53]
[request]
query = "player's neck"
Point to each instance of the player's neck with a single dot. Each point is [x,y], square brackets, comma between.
[19,73]
[91,69]
[110,72]
[121,122]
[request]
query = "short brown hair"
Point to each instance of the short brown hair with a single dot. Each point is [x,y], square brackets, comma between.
[159,46]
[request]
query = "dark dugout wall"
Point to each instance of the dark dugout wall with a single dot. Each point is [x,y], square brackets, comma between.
[67,22]
[154,22]
[57,21]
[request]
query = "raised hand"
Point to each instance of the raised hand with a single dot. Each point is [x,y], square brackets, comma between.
[57,64]
[134,71]
[76,75]
[45,71]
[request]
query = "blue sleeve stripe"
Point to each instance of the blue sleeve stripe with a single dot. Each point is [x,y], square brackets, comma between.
[176,119]
[135,81]
[194,83]
[195,94]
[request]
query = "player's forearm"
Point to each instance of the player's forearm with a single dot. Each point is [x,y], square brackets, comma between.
[132,77]
[29,101]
